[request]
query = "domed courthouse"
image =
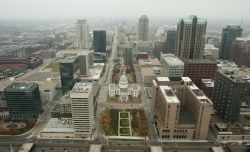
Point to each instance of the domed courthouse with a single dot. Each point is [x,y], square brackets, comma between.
[124,90]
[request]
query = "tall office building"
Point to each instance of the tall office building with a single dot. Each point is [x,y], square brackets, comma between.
[23,100]
[128,54]
[143,28]
[99,41]
[67,69]
[229,34]
[229,92]
[82,34]
[171,41]
[81,97]
[91,58]
[240,51]
[172,66]
[181,109]
[191,38]
[83,59]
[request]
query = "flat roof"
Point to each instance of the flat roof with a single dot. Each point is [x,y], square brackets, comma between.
[95,148]
[21,86]
[169,95]
[156,149]
[186,79]
[147,71]
[172,60]
[82,87]
[162,79]
[208,82]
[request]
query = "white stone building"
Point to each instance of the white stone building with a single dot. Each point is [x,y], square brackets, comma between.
[123,89]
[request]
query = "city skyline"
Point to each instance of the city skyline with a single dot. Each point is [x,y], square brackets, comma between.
[109,8]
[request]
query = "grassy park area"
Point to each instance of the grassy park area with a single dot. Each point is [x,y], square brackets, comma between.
[54,66]
[117,121]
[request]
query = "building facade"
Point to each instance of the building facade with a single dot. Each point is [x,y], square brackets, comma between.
[191,38]
[172,66]
[229,92]
[99,41]
[82,109]
[240,51]
[83,59]
[124,90]
[67,70]
[229,34]
[128,54]
[23,100]
[171,41]
[197,70]
[182,111]
[82,34]
[143,28]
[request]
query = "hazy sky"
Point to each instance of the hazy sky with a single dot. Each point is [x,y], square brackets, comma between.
[42,9]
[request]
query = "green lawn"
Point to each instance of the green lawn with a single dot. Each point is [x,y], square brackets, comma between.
[124,122]
[54,66]
[124,130]
[123,115]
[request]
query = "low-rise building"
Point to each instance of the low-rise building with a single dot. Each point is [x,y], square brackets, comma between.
[124,90]
[147,74]
[172,66]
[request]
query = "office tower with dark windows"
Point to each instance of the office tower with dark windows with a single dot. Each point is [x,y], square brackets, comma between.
[229,34]
[128,54]
[99,41]
[171,41]
[81,97]
[229,92]
[82,34]
[240,51]
[191,38]
[143,29]
[67,69]
[23,100]
[83,59]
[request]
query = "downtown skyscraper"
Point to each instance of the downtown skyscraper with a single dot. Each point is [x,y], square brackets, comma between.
[143,28]
[229,34]
[82,34]
[191,38]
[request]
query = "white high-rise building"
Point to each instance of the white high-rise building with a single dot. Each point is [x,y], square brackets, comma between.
[81,97]
[143,28]
[82,34]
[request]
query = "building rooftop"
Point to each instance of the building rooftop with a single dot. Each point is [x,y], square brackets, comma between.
[147,71]
[169,95]
[208,82]
[59,125]
[243,39]
[172,60]
[82,87]
[159,79]
[21,86]
[149,62]
[68,60]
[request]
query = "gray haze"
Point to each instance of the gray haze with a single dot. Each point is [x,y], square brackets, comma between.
[49,9]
